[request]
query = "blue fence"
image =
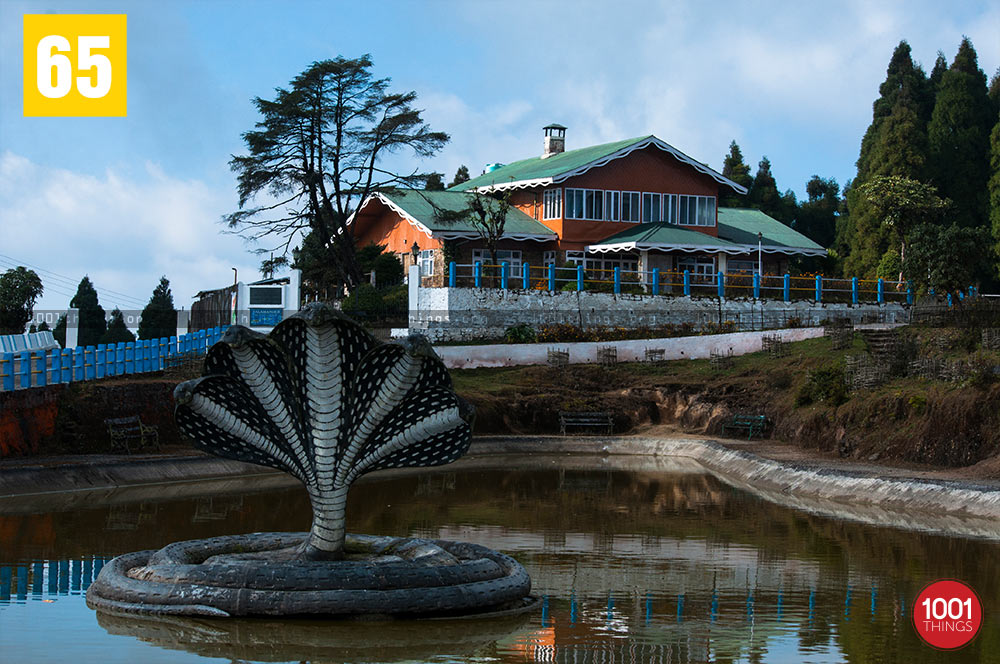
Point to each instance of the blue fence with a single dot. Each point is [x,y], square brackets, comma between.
[66,365]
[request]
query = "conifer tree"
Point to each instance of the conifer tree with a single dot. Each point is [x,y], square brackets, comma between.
[435,182]
[461,175]
[958,136]
[159,318]
[736,170]
[817,217]
[117,331]
[59,331]
[92,321]
[994,193]
[763,193]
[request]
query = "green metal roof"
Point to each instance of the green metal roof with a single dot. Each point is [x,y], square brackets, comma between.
[573,162]
[536,167]
[422,206]
[741,225]
[666,234]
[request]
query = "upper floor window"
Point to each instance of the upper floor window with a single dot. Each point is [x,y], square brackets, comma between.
[696,210]
[586,204]
[612,205]
[651,207]
[552,204]
[631,208]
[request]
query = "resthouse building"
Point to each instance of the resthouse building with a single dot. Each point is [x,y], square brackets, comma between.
[637,204]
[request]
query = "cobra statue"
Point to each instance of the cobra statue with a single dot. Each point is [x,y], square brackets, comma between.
[322,399]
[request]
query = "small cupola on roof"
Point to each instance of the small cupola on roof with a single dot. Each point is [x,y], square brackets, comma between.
[555,140]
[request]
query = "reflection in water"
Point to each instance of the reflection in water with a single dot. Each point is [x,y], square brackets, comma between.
[631,567]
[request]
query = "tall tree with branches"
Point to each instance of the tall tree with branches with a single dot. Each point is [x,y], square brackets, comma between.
[318,151]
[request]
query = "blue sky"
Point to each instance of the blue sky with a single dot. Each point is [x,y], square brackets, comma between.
[128,199]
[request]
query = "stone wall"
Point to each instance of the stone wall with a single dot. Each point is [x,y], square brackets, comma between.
[454,314]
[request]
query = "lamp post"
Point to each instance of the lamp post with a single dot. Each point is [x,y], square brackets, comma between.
[236,297]
[760,261]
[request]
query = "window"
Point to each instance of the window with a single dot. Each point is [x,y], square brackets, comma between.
[511,256]
[549,258]
[627,263]
[587,204]
[594,204]
[696,211]
[702,268]
[670,208]
[265,295]
[630,206]
[426,262]
[575,257]
[612,205]
[552,204]
[651,207]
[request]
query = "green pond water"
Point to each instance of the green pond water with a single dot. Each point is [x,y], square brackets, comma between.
[655,562]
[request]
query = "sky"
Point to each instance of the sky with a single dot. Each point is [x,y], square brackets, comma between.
[126,200]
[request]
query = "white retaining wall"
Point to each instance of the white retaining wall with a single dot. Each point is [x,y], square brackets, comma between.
[676,348]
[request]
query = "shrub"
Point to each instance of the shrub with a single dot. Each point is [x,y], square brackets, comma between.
[520,334]
[794,321]
[825,384]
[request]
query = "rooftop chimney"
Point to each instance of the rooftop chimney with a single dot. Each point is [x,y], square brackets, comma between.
[555,140]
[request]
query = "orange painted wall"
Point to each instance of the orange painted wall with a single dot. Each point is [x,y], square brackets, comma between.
[379,224]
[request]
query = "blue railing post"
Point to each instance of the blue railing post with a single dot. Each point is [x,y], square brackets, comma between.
[756,285]
[618,279]
[972,291]
[99,363]
[55,354]
[961,295]
[130,358]
[172,347]
[478,274]
[909,293]
[854,290]
[451,274]
[552,276]
[526,276]
[579,277]
[819,288]
[949,300]
[656,281]
[25,369]
[787,288]
[41,366]
[90,370]
[881,291]
[687,283]
[67,365]
[8,372]
[200,340]
[120,358]
[720,284]
[79,358]
[504,271]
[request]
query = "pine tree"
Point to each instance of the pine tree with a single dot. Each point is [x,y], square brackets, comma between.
[994,193]
[435,182]
[92,322]
[461,175]
[958,135]
[736,170]
[117,331]
[763,193]
[817,217]
[59,332]
[159,318]
[994,92]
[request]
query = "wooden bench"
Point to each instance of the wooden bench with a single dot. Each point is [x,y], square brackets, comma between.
[126,432]
[752,424]
[586,420]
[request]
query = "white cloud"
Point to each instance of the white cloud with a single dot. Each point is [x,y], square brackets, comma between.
[123,230]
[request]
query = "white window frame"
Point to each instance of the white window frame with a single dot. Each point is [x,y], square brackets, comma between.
[552,203]
[742,266]
[511,256]
[612,205]
[700,210]
[575,257]
[670,208]
[426,262]
[702,268]
[635,206]
[549,258]
[651,202]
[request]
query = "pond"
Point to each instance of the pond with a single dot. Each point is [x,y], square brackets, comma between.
[637,560]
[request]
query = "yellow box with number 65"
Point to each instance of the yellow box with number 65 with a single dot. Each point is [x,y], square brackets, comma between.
[75,65]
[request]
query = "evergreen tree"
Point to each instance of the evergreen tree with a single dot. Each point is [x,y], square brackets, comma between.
[994,193]
[736,170]
[933,83]
[19,289]
[435,182]
[388,270]
[958,135]
[91,324]
[817,217]
[763,193]
[461,175]
[59,332]
[43,327]
[159,318]
[994,92]
[118,332]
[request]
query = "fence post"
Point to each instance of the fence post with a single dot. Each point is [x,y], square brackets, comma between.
[41,366]
[788,288]
[819,288]
[99,354]
[451,274]
[909,293]
[687,283]
[120,358]
[130,358]
[618,279]
[201,342]
[25,369]
[720,285]
[756,285]
[90,370]
[949,300]
[8,372]
[961,295]
[172,347]
[854,290]
[79,356]
[503,274]
[881,291]
[478,273]
[579,277]
[55,353]
[67,365]
[656,281]
[552,276]
[526,276]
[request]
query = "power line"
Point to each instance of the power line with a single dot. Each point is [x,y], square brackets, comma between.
[111,295]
